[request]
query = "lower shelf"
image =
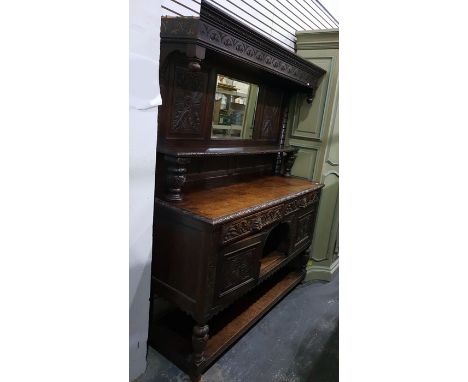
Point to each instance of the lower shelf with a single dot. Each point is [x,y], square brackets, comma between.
[171,335]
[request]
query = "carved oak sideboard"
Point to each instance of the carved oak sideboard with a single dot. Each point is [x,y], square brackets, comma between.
[231,225]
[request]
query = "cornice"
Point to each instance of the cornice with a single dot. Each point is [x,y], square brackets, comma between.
[318,39]
[217,31]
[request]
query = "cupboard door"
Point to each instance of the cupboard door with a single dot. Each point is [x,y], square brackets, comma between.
[238,269]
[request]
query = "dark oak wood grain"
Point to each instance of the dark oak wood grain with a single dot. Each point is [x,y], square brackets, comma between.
[231,225]
[226,202]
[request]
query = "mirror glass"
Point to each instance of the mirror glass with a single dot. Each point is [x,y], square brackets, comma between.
[234,109]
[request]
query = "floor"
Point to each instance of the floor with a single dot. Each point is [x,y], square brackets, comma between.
[297,341]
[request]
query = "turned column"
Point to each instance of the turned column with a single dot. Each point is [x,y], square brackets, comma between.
[284,122]
[176,168]
[289,162]
[199,340]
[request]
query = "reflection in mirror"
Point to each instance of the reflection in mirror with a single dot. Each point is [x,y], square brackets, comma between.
[234,109]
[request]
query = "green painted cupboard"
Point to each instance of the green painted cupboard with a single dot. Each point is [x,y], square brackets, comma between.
[314,131]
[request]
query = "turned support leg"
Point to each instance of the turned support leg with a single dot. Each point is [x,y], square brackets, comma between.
[176,168]
[290,158]
[300,262]
[199,340]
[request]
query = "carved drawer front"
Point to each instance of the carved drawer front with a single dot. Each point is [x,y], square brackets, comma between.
[238,268]
[305,227]
[251,224]
[301,202]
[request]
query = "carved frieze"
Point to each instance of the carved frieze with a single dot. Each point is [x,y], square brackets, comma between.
[216,31]
[256,222]
[251,224]
[229,43]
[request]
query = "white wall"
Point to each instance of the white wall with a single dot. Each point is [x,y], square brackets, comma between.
[145,19]
[277,19]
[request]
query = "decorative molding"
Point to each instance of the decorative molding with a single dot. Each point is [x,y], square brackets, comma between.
[322,272]
[331,173]
[318,39]
[216,30]
[331,163]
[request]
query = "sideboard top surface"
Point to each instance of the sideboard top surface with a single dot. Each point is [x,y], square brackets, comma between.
[220,204]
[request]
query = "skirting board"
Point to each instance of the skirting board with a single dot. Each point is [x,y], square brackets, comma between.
[321,272]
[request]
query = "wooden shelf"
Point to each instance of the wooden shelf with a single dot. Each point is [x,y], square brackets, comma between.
[270,262]
[171,334]
[204,150]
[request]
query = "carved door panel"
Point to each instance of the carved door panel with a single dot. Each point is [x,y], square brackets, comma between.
[238,268]
[305,225]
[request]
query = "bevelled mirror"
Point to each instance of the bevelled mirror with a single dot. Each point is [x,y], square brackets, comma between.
[234,109]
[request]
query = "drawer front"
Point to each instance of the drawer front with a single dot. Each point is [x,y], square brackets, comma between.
[254,223]
[238,268]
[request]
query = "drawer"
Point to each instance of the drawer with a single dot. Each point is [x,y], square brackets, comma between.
[238,268]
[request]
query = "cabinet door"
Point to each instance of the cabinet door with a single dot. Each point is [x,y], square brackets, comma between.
[238,268]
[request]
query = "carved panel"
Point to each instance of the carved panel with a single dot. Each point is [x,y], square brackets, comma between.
[188,106]
[304,228]
[237,270]
[257,222]
[301,202]
[271,115]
